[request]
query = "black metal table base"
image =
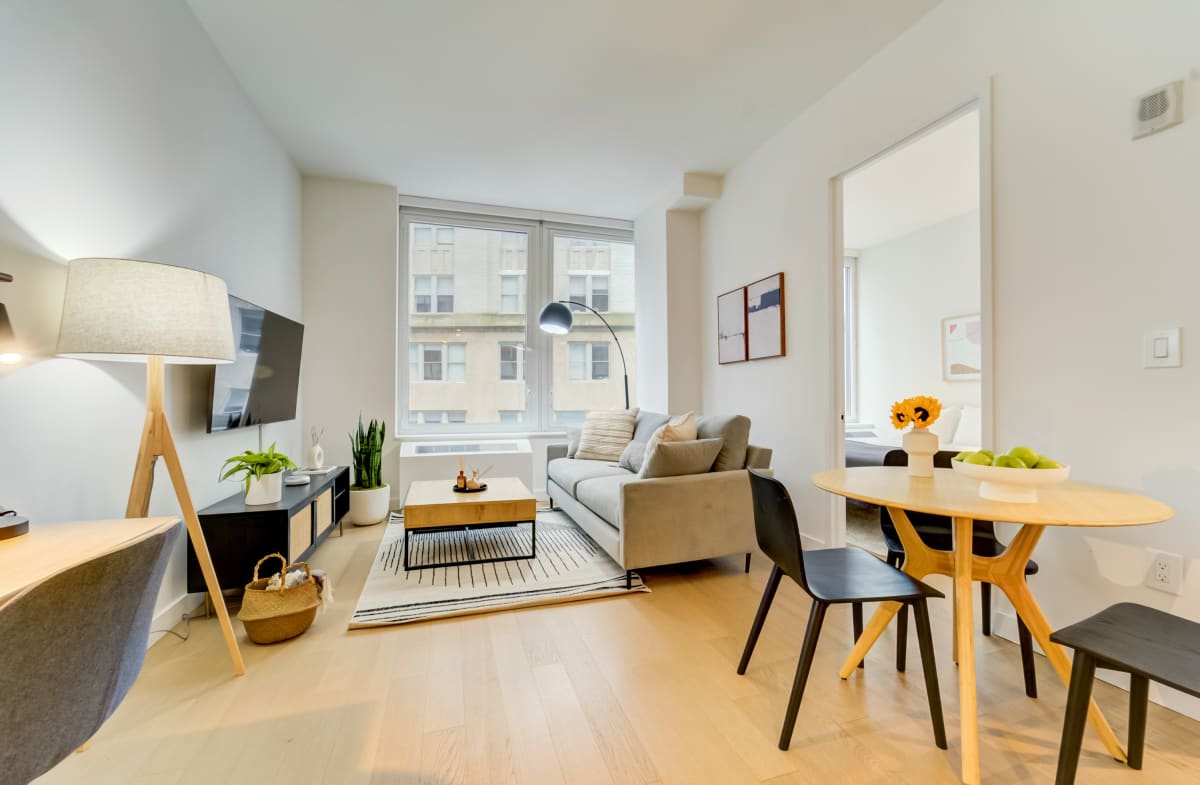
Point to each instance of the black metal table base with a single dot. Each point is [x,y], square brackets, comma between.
[466,529]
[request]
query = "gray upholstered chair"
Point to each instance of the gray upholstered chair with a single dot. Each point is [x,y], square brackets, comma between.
[70,649]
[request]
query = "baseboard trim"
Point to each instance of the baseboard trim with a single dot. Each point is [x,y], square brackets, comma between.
[168,617]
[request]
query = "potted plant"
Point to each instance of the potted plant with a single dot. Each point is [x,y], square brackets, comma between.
[370,496]
[262,472]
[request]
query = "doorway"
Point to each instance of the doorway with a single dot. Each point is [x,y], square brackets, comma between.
[913,306]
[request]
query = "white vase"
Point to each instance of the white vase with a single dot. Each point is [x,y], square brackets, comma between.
[368,507]
[921,445]
[265,490]
[314,457]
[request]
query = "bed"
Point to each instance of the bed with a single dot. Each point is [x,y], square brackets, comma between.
[959,428]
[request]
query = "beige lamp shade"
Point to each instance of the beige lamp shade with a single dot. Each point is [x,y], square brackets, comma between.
[126,311]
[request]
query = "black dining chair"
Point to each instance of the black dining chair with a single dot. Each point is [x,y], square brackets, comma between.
[937,532]
[832,576]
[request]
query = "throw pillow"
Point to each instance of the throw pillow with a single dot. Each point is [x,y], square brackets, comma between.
[605,435]
[673,459]
[676,429]
[572,442]
[633,457]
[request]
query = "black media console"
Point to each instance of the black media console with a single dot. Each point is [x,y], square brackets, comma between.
[239,535]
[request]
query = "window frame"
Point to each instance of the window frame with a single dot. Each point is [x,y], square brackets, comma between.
[539,289]
[850,335]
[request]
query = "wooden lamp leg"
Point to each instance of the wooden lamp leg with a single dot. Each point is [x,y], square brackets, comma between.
[157,441]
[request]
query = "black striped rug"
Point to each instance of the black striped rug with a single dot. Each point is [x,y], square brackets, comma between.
[568,567]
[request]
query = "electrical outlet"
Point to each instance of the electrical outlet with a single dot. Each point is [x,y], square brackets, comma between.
[1166,572]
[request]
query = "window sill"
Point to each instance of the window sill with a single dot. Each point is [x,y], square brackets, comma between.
[485,436]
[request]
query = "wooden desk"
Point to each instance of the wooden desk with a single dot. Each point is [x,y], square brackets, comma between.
[50,548]
[957,497]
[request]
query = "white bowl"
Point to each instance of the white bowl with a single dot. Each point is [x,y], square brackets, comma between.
[1005,484]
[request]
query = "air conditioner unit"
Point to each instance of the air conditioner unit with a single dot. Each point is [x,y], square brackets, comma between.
[439,460]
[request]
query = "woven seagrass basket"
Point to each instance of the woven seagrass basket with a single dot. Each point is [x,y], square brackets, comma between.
[274,615]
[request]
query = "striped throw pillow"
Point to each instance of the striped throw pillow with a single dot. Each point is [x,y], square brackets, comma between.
[606,434]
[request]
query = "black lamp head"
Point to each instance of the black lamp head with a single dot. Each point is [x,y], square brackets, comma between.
[555,319]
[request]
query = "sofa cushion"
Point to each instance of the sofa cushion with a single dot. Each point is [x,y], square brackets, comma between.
[675,429]
[573,441]
[647,424]
[633,457]
[602,496]
[606,434]
[673,459]
[567,473]
[735,431]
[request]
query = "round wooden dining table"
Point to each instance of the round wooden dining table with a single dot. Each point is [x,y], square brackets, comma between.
[956,496]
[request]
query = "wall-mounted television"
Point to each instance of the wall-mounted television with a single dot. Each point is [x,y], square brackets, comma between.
[262,383]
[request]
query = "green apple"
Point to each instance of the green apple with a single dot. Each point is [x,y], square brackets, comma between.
[990,455]
[978,458]
[962,456]
[1024,455]
[1046,463]
[1009,462]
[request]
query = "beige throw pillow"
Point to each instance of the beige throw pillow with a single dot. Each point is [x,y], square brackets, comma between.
[673,459]
[677,429]
[605,435]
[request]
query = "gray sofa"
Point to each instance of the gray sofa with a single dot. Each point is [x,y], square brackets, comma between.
[647,522]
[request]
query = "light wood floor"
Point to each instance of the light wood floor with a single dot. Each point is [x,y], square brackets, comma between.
[631,690]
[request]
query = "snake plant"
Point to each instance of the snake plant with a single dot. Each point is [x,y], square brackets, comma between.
[366,445]
[256,464]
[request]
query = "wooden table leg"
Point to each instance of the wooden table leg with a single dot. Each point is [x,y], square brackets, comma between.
[964,636]
[875,627]
[1010,577]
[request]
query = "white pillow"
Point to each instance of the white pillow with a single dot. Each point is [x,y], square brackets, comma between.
[947,424]
[970,427]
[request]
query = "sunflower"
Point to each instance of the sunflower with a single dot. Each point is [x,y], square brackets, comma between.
[920,411]
[901,415]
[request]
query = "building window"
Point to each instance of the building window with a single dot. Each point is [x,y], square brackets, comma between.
[445,235]
[512,360]
[431,289]
[569,417]
[512,416]
[436,417]
[436,362]
[589,289]
[512,291]
[587,361]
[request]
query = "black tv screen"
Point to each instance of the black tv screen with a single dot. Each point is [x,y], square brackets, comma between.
[262,383]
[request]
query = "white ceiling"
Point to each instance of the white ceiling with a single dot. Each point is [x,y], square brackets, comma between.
[932,178]
[585,107]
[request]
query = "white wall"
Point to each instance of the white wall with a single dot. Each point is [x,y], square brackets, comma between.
[124,134]
[1095,241]
[350,304]
[906,286]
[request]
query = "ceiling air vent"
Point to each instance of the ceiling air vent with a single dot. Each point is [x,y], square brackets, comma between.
[1159,109]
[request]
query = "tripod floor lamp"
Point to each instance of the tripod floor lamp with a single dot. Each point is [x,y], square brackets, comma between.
[128,311]
[556,319]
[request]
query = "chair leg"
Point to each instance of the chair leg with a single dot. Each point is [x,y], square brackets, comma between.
[1079,695]
[1027,658]
[985,601]
[815,619]
[902,638]
[628,580]
[929,665]
[763,606]
[1139,700]
[747,563]
[857,614]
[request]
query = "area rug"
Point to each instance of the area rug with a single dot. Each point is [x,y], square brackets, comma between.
[569,567]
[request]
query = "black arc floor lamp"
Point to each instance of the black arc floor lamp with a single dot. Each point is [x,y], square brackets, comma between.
[556,319]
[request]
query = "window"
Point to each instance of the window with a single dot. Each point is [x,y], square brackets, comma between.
[512,360]
[512,288]
[435,362]
[427,287]
[475,363]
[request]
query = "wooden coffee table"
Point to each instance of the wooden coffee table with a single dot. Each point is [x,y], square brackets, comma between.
[434,506]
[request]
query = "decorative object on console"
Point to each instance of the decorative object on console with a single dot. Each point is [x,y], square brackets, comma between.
[731,327]
[263,473]
[9,350]
[556,319]
[370,496]
[919,442]
[12,525]
[765,335]
[132,311]
[314,458]
[962,348]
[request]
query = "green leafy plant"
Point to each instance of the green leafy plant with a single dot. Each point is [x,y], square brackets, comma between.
[256,464]
[366,445]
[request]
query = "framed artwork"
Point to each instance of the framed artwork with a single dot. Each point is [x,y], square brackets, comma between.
[731,326]
[765,335]
[962,348]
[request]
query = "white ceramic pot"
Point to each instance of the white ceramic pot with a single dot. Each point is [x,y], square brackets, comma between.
[265,490]
[371,506]
[921,445]
[314,457]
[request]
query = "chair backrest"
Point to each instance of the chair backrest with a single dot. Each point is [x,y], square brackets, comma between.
[936,531]
[70,649]
[775,525]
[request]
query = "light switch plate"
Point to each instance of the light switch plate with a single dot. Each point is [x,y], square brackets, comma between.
[1160,348]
